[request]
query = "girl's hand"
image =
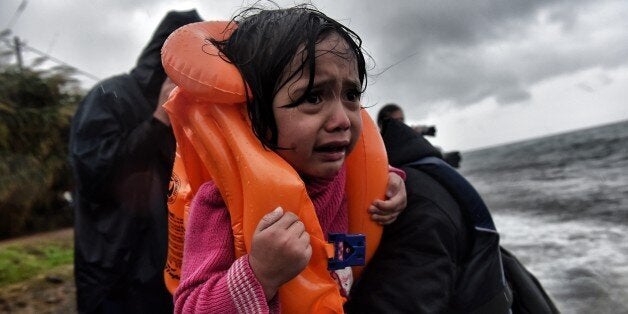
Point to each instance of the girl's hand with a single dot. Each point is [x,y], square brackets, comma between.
[280,250]
[386,212]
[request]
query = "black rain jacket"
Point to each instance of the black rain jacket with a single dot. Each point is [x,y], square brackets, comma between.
[439,257]
[416,266]
[122,161]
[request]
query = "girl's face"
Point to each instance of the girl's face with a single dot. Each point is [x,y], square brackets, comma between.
[316,136]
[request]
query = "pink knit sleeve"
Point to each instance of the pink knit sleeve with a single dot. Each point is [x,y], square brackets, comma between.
[398,171]
[212,280]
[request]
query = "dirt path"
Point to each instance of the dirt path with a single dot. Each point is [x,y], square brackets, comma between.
[57,235]
[52,292]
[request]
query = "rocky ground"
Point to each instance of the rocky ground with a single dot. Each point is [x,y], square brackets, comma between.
[52,292]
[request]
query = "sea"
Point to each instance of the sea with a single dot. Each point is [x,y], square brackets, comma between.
[560,204]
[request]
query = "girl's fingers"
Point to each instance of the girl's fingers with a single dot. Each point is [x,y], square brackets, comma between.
[383,207]
[297,228]
[394,184]
[384,220]
[395,204]
[269,219]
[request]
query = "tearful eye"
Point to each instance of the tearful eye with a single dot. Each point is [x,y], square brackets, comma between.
[312,98]
[353,95]
[312,103]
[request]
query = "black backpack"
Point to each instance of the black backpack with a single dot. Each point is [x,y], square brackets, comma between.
[528,294]
[522,289]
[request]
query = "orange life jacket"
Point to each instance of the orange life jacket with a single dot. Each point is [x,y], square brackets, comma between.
[215,142]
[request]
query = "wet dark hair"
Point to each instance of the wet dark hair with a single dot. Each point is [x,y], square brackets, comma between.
[264,45]
[386,112]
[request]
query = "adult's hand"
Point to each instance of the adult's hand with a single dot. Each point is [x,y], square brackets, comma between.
[160,113]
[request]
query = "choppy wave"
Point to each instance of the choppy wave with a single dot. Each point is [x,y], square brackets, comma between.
[561,205]
[582,264]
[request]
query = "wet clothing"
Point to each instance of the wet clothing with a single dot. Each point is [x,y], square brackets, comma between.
[419,265]
[213,280]
[122,160]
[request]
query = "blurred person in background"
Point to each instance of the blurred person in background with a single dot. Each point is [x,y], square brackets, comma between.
[394,112]
[121,151]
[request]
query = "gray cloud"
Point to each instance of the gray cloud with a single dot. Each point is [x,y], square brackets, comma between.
[585,87]
[463,52]
[505,97]
[426,53]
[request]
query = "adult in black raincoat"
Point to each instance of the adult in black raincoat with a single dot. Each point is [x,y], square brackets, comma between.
[122,150]
[442,254]
[420,264]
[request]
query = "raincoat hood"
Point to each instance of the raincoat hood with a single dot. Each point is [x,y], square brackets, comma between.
[148,71]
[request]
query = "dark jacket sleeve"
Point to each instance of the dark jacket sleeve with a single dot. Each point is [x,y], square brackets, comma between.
[414,269]
[114,134]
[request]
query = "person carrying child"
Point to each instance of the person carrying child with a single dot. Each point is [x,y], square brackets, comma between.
[305,74]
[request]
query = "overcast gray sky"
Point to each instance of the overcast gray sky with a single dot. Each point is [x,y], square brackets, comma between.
[485,72]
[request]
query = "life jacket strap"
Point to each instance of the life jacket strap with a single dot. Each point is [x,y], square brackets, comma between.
[348,250]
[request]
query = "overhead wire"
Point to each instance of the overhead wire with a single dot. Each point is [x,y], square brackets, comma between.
[51,58]
[22,44]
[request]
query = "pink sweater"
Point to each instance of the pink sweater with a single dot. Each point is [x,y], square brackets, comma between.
[212,279]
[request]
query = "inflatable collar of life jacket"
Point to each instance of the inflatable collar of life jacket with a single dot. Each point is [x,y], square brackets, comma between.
[215,142]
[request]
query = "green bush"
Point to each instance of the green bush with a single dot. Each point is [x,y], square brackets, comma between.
[36,107]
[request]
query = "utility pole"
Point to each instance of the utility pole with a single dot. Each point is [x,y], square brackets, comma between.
[18,52]
[16,40]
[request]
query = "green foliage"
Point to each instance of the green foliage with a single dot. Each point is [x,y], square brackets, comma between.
[36,107]
[19,262]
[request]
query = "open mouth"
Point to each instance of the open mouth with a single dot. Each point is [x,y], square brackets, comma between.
[333,150]
[332,147]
